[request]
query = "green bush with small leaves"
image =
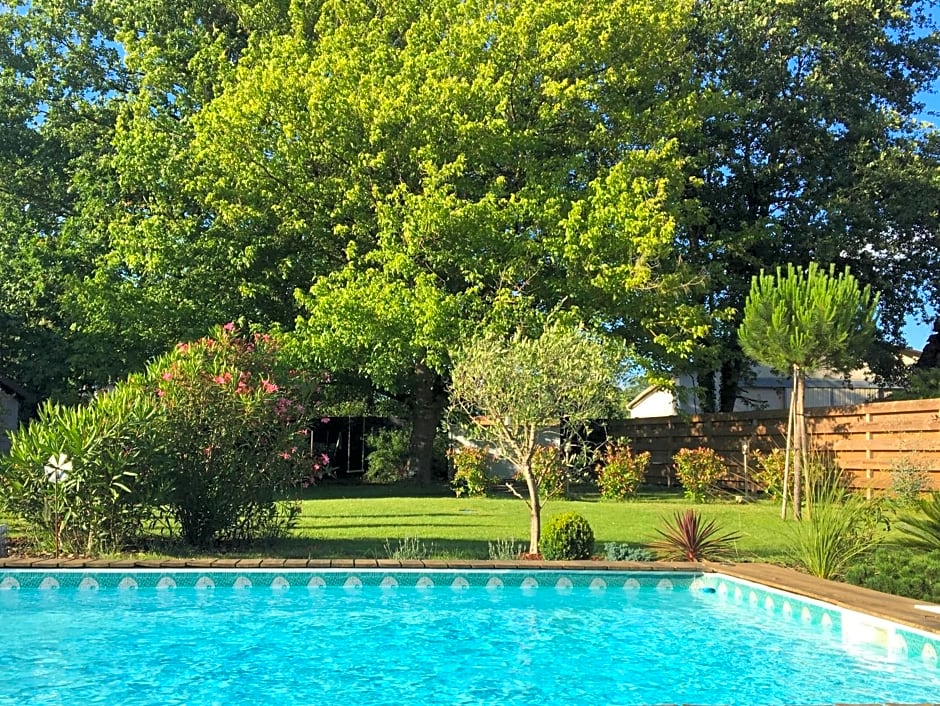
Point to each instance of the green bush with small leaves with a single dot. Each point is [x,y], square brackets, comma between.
[909,480]
[620,551]
[566,537]
[901,572]
[471,471]
[621,472]
[699,470]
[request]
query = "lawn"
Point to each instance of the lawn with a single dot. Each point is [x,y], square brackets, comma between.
[367,521]
[363,521]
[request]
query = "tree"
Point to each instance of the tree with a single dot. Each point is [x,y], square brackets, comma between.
[513,390]
[453,168]
[811,153]
[802,321]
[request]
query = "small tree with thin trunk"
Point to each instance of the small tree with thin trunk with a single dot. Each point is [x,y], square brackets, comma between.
[805,320]
[513,390]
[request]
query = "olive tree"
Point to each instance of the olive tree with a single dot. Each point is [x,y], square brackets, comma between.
[805,320]
[514,389]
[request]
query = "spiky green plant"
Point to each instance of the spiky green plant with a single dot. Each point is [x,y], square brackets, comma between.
[689,537]
[922,532]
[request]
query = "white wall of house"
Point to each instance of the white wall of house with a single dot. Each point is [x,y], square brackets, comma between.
[767,390]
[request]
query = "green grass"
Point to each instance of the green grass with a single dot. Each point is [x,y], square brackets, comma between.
[363,521]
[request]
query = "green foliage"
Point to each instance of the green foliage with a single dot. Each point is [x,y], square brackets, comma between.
[505,549]
[922,530]
[103,503]
[471,470]
[513,390]
[621,472]
[567,537]
[409,549]
[548,465]
[619,551]
[909,480]
[900,572]
[842,526]
[922,384]
[699,470]
[808,319]
[388,457]
[688,537]
[769,475]
[230,436]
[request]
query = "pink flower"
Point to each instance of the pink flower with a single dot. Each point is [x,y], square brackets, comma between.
[167,376]
[229,327]
[285,455]
[324,420]
[182,347]
[160,393]
[268,386]
[324,459]
[219,379]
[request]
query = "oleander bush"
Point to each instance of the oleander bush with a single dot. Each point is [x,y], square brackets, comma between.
[699,471]
[769,473]
[567,536]
[100,496]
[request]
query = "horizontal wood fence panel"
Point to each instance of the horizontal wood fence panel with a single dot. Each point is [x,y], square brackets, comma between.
[866,441]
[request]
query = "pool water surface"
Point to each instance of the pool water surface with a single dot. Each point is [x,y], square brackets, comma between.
[432,642]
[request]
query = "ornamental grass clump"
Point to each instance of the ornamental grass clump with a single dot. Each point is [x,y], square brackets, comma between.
[922,530]
[567,537]
[842,527]
[699,470]
[688,537]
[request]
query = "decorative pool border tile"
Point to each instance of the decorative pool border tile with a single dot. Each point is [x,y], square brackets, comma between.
[855,628]
[345,578]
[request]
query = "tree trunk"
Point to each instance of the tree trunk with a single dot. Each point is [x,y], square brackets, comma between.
[429,400]
[535,512]
[799,438]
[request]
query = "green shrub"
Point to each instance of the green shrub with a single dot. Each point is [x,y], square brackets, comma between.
[619,551]
[471,471]
[699,470]
[621,472]
[900,572]
[769,474]
[102,502]
[505,549]
[567,536]
[409,549]
[922,530]
[548,466]
[843,526]
[228,439]
[688,537]
[387,462]
[909,481]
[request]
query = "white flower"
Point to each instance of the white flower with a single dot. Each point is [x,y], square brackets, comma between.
[56,468]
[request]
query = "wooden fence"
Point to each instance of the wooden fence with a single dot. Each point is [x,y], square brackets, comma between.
[866,441]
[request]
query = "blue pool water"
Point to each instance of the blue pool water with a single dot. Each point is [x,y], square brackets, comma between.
[439,645]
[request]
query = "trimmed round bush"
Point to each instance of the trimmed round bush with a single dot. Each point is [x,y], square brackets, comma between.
[567,536]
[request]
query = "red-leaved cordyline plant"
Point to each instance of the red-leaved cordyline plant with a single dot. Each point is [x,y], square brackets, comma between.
[232,436]
[688,537]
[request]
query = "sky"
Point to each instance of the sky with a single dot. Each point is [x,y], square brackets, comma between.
[916,332]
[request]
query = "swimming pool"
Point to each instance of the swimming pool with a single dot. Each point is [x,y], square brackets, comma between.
[442,637]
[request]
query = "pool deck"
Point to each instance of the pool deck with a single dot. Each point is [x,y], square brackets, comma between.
[894,608]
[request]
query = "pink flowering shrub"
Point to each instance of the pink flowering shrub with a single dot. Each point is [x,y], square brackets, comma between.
[231,436]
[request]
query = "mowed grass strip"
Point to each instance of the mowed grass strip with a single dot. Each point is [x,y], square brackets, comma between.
[365,521]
